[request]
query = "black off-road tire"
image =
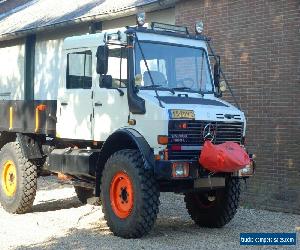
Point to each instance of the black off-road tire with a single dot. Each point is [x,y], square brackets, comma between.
[83,194]
[217,213]
[26,176]
[146,195]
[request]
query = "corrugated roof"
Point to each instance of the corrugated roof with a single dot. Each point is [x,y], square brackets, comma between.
[43,13]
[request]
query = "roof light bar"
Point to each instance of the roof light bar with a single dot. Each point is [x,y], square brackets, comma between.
[169,28]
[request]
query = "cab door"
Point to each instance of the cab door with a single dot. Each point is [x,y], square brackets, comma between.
[75,103]
[110,100]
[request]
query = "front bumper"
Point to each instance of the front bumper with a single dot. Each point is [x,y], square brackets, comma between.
[163,170]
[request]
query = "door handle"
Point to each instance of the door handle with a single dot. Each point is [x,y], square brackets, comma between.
[64,104]
[98,104]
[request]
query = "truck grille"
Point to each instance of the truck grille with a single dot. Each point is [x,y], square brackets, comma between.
[185,143]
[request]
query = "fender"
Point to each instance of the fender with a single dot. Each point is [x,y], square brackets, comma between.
[6,137]
[125,138]
[144,148]
[29,146]
[133,139]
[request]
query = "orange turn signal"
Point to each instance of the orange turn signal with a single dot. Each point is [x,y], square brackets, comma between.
[41,107]
[162,139]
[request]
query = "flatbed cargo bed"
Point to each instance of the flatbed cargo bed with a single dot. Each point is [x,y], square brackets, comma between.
[38,116]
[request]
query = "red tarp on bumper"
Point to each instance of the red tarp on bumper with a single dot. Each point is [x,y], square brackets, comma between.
[225,157]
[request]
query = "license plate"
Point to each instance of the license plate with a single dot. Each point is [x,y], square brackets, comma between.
[209,182]
[182,114]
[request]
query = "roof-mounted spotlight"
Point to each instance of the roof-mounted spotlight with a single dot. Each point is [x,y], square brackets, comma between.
[141,19]
[199,27]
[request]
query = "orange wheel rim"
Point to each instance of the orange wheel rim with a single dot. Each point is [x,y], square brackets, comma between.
[121,195]
[9,178]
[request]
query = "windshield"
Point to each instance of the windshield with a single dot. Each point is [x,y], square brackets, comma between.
[173,66]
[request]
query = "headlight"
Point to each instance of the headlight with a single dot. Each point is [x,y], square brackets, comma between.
[180,169]
[223,86]
[247,170]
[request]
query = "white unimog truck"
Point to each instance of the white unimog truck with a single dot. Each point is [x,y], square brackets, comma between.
[133,110]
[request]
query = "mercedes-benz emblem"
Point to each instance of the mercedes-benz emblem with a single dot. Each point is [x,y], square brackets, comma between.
[209,132]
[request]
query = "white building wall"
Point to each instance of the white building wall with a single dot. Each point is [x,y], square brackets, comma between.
[49,47]
[47,69]
[48,52]
[12,70]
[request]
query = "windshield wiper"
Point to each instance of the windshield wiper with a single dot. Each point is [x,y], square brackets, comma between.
[181,88]
[144,59]
[201,93]
[187,88]
[150,86]
[159,87]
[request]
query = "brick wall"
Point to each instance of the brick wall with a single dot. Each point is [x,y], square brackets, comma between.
[259,41]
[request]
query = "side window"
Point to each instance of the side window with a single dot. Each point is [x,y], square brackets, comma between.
[117,67]
[79,70]
[158,70]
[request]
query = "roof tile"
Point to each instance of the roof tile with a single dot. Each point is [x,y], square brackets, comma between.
[40,13]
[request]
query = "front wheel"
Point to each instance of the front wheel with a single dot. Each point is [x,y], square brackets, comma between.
[214,208]
[129,194]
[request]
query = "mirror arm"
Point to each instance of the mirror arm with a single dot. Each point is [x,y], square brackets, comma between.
[136,103]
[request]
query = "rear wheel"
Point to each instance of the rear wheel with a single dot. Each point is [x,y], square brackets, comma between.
[18,177]
[214,208]
[129,194]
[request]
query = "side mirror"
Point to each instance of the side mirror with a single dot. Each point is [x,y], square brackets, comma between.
[217,75]
[106,81]
[102,60]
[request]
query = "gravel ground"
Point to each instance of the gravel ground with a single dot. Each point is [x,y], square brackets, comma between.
[59,221]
